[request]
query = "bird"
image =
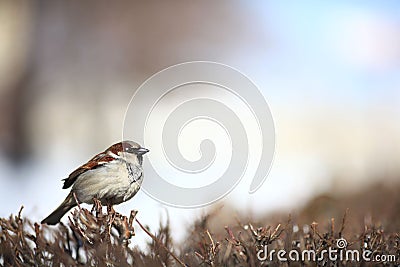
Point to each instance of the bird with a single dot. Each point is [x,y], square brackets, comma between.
[111,177]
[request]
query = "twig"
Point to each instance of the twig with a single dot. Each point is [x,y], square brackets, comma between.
[212,241]
[343,222]
[77,202]
[20,212]
[160,243]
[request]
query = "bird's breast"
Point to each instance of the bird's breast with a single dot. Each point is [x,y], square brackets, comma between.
[135,173]
[111,183]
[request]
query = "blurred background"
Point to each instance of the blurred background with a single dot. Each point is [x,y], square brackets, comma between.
[329,71]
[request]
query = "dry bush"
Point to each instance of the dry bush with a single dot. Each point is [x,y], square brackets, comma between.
[241,243]
[91,238]
[97,238]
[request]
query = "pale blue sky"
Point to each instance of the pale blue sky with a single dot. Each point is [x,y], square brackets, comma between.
[311,47]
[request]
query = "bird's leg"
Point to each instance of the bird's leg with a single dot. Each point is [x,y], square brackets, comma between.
[110,211]
[97,206]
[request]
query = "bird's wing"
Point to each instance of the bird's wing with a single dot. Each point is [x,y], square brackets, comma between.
[94,163]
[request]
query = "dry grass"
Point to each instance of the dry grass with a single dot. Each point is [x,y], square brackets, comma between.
[98,238]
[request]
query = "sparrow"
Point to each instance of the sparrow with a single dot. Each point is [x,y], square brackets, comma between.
[112,177]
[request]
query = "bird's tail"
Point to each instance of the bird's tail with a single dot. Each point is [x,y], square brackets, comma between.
[56,215]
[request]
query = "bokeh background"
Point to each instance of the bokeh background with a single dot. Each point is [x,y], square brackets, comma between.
[330,72]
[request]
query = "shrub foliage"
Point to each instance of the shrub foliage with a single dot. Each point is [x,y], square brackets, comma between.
[97,238]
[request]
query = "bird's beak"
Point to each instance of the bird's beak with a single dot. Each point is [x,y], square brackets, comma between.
[141,151]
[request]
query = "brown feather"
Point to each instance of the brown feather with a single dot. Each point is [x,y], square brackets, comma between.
[93,163]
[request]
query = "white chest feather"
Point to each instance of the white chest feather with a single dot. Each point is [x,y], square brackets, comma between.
[111,183]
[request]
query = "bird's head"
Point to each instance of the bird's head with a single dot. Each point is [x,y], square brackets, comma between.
[129,150]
